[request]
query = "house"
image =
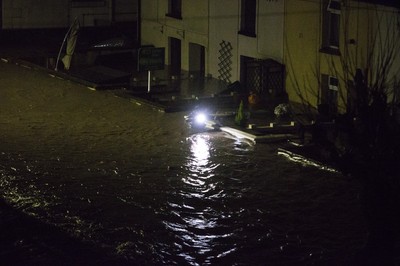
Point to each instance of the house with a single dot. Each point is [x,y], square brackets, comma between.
[32,14]
[306,50]
[215,39]
[182,27]
[328,42]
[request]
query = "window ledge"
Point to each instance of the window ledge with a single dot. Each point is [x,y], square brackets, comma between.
[248,34]
[330,50]
[175,16]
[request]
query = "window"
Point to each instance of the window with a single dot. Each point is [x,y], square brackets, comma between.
[175,9]
[329,93]
[248,18]
[333,83]
[334,6]
[330,26]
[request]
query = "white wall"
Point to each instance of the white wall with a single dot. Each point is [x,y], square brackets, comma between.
[224,25]
[208,23]
[224,21]
[270,27]
[153,25]
[156,27]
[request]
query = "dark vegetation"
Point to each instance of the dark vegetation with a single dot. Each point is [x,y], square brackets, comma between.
[366,146]
[364,140]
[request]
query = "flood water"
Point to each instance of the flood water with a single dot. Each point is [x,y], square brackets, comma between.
[140,184]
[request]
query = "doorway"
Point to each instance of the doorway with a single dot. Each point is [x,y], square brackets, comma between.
[174,56]
[196,60]
[266,77]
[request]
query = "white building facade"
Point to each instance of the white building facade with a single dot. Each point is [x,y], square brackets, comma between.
[214,37]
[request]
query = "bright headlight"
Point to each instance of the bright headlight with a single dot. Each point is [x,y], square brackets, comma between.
[200,118]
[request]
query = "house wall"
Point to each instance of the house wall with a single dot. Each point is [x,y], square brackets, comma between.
[289,31]
[126,10]
[268,42]
[225,25]
[209,23]
[386,21]
[19,14]
[306,63]
[156,27]
[301,52]
[28,14]
[101,14]
[153,23]
[224,21]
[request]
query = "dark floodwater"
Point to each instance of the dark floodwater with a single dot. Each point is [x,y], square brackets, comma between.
[172,197]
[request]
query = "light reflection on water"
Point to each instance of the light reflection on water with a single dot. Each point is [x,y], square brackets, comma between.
[200,148]
[196,224]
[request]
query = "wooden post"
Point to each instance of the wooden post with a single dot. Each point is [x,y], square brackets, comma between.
[148,81]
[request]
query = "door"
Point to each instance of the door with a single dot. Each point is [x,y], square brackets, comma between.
[243,71]
[196,60]
[175,56]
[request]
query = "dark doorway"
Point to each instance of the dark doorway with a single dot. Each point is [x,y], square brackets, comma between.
[265,77]
[175,56]
[244,75]
[196,60]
